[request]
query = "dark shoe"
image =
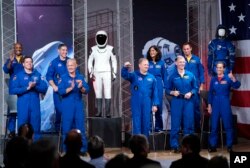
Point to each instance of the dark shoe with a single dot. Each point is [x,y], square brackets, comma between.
[98,115]
[211,150]
[99,107]
[107,107]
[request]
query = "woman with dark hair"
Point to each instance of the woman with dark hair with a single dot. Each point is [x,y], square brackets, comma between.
[157,68]
[219,105]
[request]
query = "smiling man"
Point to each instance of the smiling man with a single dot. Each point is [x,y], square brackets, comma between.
[144,98]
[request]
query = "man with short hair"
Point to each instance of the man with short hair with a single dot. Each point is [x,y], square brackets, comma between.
[71,87]
[73,143]
[12,66]
[190,154]
[193,64]
[55,71]
[96,152]
[139,146]
[28,84]
[144,95]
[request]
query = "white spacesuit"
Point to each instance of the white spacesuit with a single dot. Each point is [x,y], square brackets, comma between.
[101,65]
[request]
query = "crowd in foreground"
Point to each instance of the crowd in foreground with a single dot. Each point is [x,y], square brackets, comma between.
[22,152]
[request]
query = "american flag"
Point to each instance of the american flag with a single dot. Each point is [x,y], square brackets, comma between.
[236,17]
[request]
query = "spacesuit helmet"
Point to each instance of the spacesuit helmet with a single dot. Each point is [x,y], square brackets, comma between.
[221,31]
[101,38]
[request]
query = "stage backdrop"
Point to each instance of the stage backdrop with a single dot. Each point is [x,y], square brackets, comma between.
[235,15]
[162,23]
[40,28]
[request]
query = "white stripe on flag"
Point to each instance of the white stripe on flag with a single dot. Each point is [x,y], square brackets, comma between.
[243,114]
[244,80]
[243,49]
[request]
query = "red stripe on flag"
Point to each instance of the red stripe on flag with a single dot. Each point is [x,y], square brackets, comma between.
[240,98]
[243,130]
[242,65]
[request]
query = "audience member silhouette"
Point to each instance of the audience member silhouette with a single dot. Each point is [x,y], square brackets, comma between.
[43,153]
[73,143]
[16,153]
[139,146]
[96,152]
[26,131]
[190,150]
[119,161]
[218,161]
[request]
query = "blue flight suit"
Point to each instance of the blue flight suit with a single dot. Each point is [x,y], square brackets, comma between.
[144,95]
[56,69]
[15,68]
[158,69]
[220,50]
[219,98]
[28,102]
[194,65]
[73,113]
[182,109]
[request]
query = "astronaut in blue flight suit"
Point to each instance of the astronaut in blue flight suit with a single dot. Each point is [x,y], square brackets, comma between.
[193,64]
[181,85]
[56,69]
[12,66]
[220,49]
[27,84]
[144,95]
[219,105]
[157,68]
[71,87]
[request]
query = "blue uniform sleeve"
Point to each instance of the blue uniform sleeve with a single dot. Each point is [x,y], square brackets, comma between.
[127,75]
[210,60]
[16,87]
[62,87]
[165,78]
[163,70]
[155,99]
[194,85]
[50,72]
[201,72]
[168,85]
[236,84]
[85,85]
[231,50]
[211,92]
[5,67]
[41,86]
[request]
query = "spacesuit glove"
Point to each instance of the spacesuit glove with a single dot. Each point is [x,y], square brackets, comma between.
[92,76]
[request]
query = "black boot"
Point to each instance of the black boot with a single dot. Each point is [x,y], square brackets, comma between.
[107,107]
[99,107]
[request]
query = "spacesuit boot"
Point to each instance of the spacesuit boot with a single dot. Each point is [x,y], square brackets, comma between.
[107,108]
[99,107]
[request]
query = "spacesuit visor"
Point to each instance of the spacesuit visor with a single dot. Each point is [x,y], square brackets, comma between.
[101,39]
[221,32]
